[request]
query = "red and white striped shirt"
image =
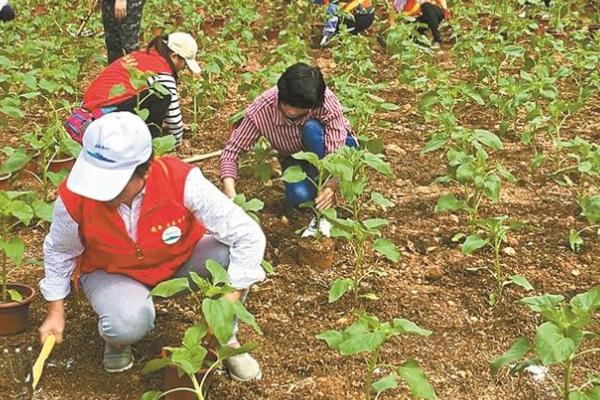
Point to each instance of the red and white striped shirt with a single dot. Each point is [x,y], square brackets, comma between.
[263,117]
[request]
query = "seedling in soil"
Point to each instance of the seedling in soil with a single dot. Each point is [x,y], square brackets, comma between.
[367,336]
[16,208]
[350,167]
[256,162]
[216,316]
[493,232]
[251,206]
[559,344]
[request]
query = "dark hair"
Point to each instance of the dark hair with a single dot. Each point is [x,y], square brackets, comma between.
[159,43]
[141,169]
[302,86]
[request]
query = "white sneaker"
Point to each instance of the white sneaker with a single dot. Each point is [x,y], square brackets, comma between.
[324,228]
[243,367]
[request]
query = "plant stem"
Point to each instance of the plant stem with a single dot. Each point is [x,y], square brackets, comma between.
[197,386]
[179,389]
[371,365]
[586,352]
[567,385]
[499,277]
[4,265]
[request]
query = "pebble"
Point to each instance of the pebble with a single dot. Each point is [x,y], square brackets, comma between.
[394,148]
[342,321]
[462,374]
[284,220]
[509,251]
[434,272]
[454,218]
[575,272]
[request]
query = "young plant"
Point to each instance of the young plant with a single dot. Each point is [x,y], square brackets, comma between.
[590,209]
[560,344]
[257,161]
[16,208]
[250,206]
[493,232]
[217,316]
[351,166]
[468,167]
[367,336]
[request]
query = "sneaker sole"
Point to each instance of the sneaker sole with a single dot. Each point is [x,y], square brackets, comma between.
[238,379]
[125,368]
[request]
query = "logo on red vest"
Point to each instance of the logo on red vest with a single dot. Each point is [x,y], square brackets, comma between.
[171,235]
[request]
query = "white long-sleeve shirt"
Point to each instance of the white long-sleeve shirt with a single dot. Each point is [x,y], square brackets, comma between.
[226,221]
[173,119]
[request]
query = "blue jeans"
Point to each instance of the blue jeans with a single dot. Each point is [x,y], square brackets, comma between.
[313,140]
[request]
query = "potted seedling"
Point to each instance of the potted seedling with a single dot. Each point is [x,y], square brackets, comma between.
[366,337]
[561,344]
[351,167]
[199,354]
[16,208]
[315,250]
[493,232]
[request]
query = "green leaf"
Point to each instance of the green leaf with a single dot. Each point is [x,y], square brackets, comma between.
[575,240]
[14,250]
[514,51]
[386,383]
[155,365]
[413,375]
[220,317]
[378,164]
[43,210]
[294,174]
[268,267]
[193,336]
[505,173]
[170,288]
[585,304]
[226,352]
[542,304]
[436,142]
[309,156]
[448,203]
[472,243]
[389,106]
[591,394]
[551,345]
[153,395]
[404,326]
[387,248]
[517,351]
[245,316]
[218,273]
[333,338]
[14,295]
[190,360]
[163,145]
[340,167]
[58,177]
[143,113]
[380,200]
[361,342]
[338,289]
[521,281]
[488,138]
[375,223]
[20,210]
[17,159]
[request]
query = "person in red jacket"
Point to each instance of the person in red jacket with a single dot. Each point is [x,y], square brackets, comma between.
[114,90]
[124,222]
[429,12]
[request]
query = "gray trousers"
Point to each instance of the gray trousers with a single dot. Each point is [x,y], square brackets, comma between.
[125,309]
[123,36]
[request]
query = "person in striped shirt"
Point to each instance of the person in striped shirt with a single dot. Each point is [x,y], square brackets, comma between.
[300,113]
[115,89]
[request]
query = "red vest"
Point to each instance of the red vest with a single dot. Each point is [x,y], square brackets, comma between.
[167,231]
[116,79]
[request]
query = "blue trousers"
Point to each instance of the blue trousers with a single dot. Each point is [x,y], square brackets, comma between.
[313,140]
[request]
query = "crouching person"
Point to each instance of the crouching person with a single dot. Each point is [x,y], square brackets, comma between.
[129,221]
[299,114]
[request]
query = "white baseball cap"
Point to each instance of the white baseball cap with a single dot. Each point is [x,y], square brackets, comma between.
[184,45]
[113,146]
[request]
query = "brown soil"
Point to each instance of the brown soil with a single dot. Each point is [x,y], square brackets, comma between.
[317,254]
[430,285]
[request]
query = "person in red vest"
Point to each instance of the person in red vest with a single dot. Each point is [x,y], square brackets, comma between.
[115,90]
[429,12]
[124,222]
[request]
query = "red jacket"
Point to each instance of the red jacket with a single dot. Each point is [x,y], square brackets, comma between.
[113,85]
[167,231]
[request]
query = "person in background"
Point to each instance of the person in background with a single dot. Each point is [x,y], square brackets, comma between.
[362,17]
[6,11]
[429,12]
[122,20]
[300,113]
[125,221]
[112,90]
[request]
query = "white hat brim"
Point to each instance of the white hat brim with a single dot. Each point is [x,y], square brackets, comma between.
[97,183]
[193,66]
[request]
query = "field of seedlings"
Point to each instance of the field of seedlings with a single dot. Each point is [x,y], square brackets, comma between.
[465,240]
